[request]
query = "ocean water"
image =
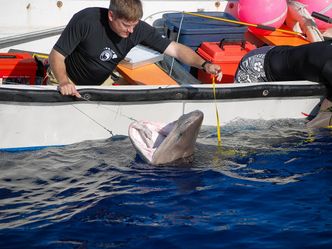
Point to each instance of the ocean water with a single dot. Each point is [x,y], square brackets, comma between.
[269,185]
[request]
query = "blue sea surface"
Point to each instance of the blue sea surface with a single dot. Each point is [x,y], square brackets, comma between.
[269,185]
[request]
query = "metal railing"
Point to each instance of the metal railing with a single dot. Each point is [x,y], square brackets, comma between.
[28,37]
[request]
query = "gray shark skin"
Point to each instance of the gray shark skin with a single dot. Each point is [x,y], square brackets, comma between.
[175,142]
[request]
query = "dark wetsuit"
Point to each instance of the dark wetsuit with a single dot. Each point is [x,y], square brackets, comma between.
[93,50]
[311,62]
[251,67]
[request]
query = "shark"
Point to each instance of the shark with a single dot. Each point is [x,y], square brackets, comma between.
[167,143]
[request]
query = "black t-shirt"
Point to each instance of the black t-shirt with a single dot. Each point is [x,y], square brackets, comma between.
[93,50]
[307,62]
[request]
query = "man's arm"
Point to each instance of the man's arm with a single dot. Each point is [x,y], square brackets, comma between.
[57,64]
[188,56]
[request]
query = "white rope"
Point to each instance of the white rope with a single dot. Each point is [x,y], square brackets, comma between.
[177,40]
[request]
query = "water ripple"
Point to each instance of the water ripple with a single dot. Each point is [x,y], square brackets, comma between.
[267,186]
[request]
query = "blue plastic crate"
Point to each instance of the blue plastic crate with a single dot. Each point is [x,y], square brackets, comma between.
[195,30]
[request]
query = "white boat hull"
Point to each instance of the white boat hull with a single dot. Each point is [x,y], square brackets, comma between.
[28,121]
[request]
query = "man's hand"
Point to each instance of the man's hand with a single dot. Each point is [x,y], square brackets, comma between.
[213,69]
[67,88]
[57,64]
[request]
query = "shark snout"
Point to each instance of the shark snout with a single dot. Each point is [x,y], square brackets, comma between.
[192,120]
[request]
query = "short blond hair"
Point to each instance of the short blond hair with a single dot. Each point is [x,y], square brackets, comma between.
[130,10]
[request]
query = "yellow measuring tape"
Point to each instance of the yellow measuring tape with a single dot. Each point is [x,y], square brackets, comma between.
[217,113]
[220,151]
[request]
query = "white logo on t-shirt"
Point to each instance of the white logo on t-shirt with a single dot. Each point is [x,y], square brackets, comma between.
[108,54]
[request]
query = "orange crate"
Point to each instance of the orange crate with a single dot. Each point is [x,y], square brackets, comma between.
[227,55]
[18,68]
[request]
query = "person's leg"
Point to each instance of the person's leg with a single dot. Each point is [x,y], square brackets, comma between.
[251,67]
[51,80]
[110,81]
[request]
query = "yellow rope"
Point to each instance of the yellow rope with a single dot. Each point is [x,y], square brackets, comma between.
[243,23]
[217,113]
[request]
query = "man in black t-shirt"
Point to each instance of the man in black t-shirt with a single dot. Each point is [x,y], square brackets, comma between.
[97,39]
[311,62]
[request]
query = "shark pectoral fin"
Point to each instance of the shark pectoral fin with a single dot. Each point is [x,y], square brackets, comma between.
[165,130]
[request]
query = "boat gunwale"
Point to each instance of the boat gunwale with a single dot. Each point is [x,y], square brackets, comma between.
[183,92]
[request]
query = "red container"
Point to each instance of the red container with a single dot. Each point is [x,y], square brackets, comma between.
[225,54]
[19,68]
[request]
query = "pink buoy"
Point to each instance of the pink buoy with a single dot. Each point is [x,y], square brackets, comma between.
[265,12]
[321,6]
